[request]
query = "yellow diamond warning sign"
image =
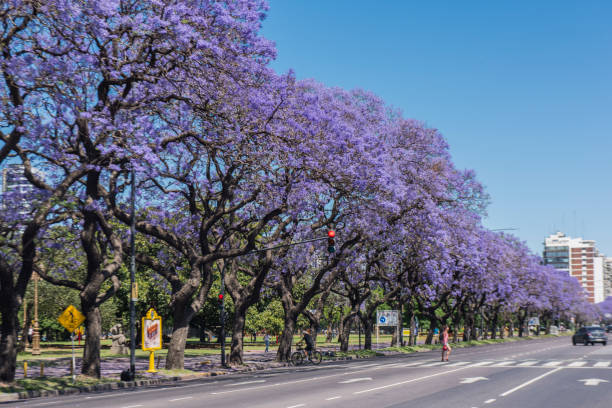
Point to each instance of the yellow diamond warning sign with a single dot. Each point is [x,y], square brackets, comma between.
[71,318]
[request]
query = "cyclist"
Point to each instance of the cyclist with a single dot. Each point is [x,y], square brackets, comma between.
[307,338]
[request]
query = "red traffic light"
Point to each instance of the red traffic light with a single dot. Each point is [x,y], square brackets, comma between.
[331,233]
[220,296]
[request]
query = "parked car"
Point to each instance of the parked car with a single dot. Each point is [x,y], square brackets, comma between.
[590,335]
[609,328]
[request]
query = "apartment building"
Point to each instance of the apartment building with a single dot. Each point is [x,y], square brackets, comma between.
[581,259]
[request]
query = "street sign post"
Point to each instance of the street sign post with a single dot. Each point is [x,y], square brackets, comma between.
[151,336]
[71,318]
[386,318]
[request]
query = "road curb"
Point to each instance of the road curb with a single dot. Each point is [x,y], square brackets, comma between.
[16,396]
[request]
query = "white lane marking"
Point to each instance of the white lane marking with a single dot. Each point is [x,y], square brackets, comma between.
[245,382]
[332,398]
[592,381]
[504,363]
[409,381]
[602,364]
[132,406]
[482,363]
[527,363]
[180,399]
[352,380]
[577,364]
[414,363]
[434,364]
[552,363]
[367,365]
[472,380]
[489,401]
[296,406]
[458,363]
[530,382]
[283,383]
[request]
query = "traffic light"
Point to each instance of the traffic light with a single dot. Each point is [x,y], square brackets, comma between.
[220,297]
[331,245]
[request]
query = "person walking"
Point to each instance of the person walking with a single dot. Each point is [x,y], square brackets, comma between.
[266,340]
[446,349]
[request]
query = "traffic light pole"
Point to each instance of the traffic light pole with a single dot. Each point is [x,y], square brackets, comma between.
[222,314]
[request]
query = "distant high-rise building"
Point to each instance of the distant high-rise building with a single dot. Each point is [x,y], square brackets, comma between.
[17,191]
[579,258]
[607,277]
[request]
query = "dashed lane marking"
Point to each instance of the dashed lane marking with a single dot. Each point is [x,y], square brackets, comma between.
[180,399]
[333,398]
[530,382]
[409,381]
[489,401]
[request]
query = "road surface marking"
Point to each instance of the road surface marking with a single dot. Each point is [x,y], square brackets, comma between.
[527,363]
[332,398]
[367,365]
[283,383]
[458,363]
[592,381]
[530,382]
[434,364]
[296,406]
[602,364]
[489,401]
[352,380]
[577,364]
[482,363]
[132,406]
[414,363]
[504,363]
[409,381]
[552,363]
[245,382]
[180,399]
[472,380]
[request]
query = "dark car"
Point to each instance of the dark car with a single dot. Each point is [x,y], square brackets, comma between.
[609,328]
[590,334]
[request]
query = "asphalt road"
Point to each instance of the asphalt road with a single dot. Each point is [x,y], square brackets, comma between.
[538,373]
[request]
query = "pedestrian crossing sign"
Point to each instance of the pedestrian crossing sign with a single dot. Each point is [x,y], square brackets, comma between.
[71,318]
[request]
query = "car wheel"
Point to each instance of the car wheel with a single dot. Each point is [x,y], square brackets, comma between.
[604,343]
[573,342]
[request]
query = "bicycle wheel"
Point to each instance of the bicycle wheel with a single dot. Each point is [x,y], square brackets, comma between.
[316,357]
[297,358]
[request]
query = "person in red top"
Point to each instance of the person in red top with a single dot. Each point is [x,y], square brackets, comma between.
[446,349]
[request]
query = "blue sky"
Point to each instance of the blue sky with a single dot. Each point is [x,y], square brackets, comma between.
[521,90]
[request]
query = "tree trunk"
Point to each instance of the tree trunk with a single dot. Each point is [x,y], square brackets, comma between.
[8,343]
[93,331]
[175,360]
[286,340]
[237,336]
[368,329]
[346,332]
[329,337]
[511,328]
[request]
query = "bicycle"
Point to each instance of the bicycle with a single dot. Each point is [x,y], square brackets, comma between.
[298,357]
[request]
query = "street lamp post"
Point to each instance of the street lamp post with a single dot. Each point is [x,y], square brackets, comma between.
[36,331]
[133,290]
